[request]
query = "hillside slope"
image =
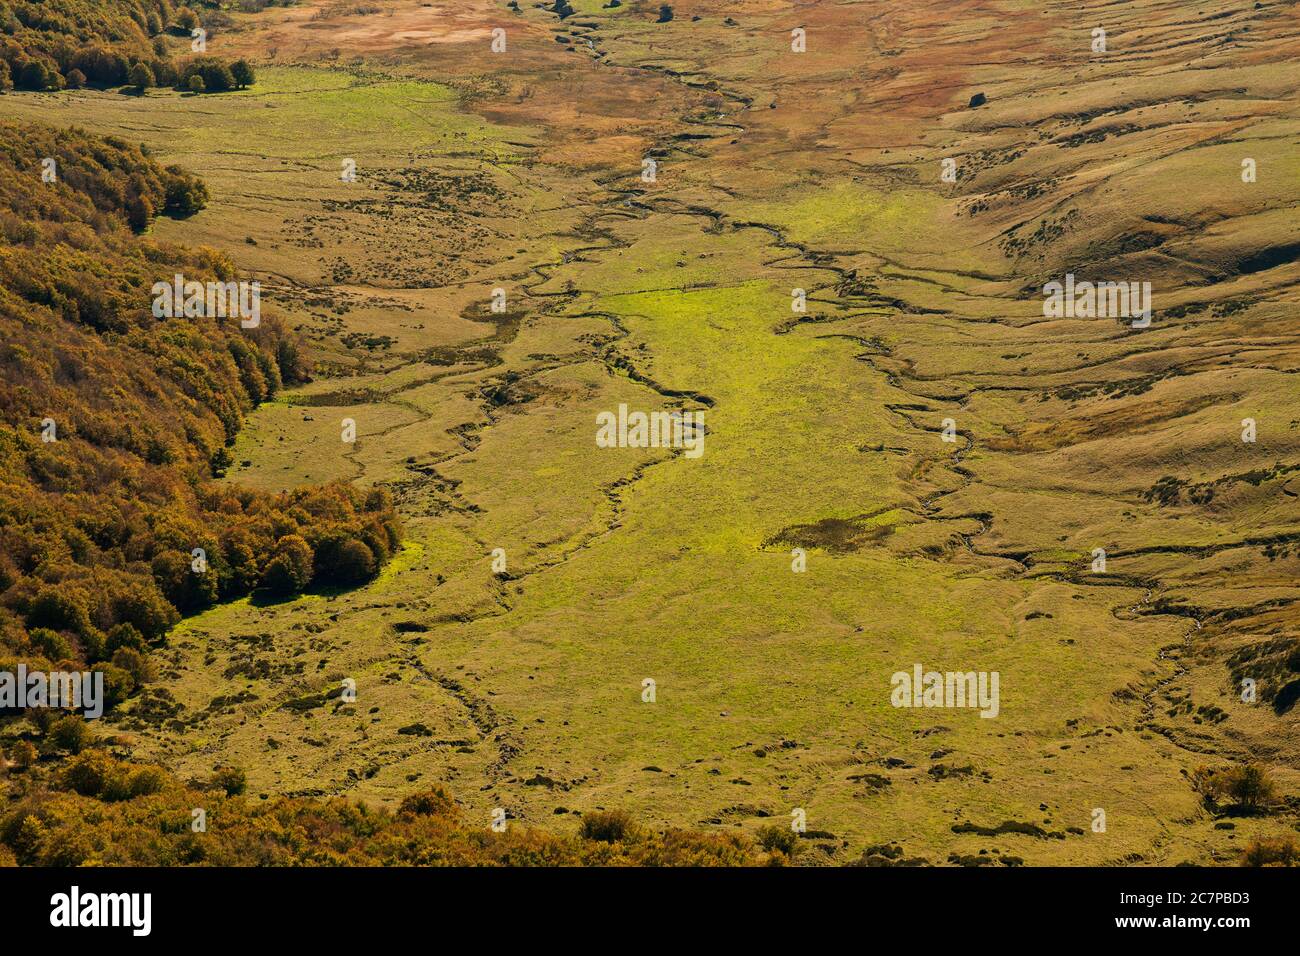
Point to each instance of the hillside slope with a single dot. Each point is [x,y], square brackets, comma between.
[925,466]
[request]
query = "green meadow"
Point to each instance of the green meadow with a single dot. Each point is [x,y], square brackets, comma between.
[825,539]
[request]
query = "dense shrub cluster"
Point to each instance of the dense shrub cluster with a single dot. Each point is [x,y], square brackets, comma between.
[99,528]
[1272,851]
[217,75]
[98,181]
[87,574]
[1241,789]
[57,44]
[97,810]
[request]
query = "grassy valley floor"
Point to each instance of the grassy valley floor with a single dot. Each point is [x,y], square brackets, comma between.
[776,171]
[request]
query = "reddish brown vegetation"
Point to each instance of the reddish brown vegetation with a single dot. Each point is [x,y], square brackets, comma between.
[99,528]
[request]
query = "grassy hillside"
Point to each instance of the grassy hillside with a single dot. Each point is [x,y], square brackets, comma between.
[522,689]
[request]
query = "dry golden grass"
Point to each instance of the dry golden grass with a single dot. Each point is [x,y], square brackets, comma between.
[777,171]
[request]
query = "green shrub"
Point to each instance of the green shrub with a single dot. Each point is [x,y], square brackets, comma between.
[50,644]
[23,754]
[217,77]
[783,839]
[58,609]
[123,635]
[290,571]
[185,194]
[72,734]
[608,826]
[343,561]
[1248,788]
[242,72]
[142,77]
[147,780]
[229,779]
[132,661]
[86,773]
[431,803]
[33,75]
[1276,851]
[118,684]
